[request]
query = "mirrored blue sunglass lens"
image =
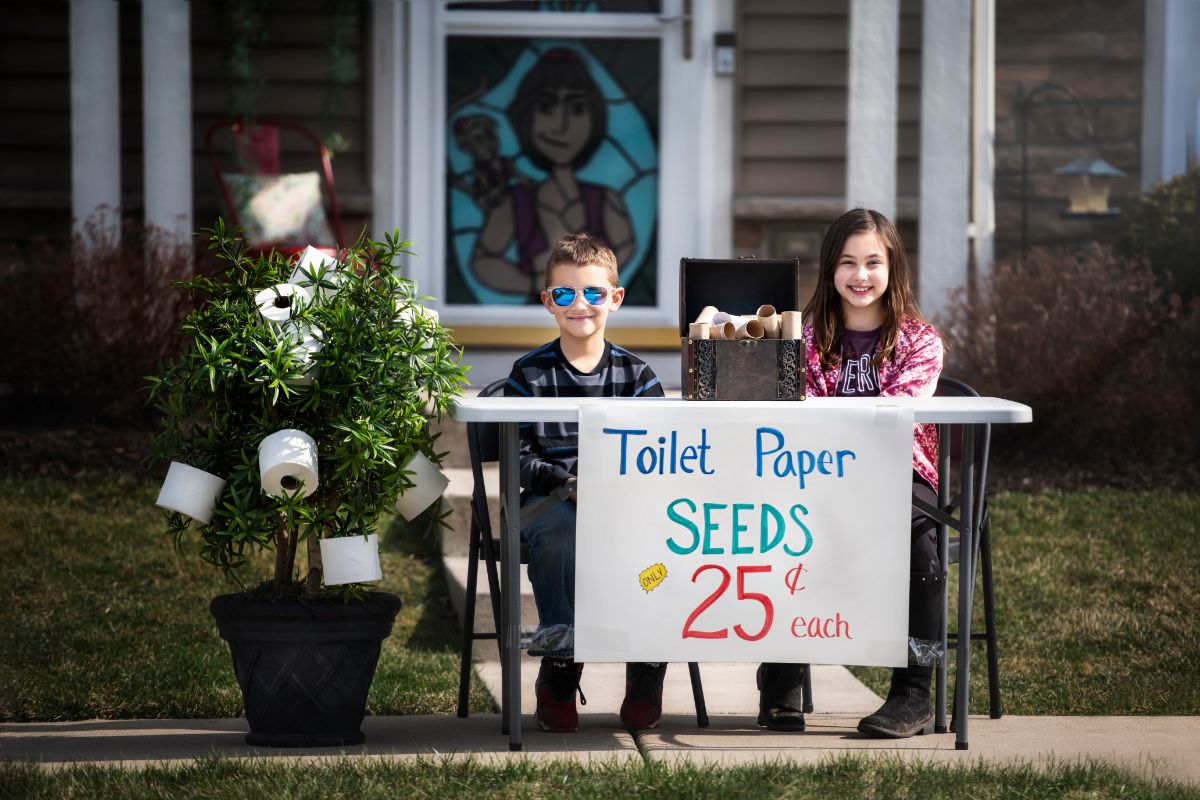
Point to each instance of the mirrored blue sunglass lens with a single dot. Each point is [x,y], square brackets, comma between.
[594,295]
[563,296]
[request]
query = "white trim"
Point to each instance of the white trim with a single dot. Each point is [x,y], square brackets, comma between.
[1171,89]
[167,117]
[872,106]
[945,151]
[388,93]
[715,105]
[678,229]
[983,137]
[95,113]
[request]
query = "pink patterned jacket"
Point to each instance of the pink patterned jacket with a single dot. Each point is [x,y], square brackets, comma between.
[912,371]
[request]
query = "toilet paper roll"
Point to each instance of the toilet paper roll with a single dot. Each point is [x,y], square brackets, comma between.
[428,485]
[750,329]
[190,491]
[311,262]
[350,559]
[724,330]
[306,342]
[285,459]
[277,304]
[770,321]
[706,314]
[791,326]
[698,330]
[314,263]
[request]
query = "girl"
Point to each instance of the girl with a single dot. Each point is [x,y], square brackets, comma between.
[865,338]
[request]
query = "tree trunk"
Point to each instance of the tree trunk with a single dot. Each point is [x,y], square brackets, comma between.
[312,585]
[283,565]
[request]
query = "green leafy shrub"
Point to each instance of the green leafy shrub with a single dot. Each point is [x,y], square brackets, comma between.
[1163,225]
[383,366]
[1103,354]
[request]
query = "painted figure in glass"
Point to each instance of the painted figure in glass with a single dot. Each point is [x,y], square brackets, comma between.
[560,118]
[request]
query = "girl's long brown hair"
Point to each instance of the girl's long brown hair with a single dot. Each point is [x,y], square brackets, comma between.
[824,310]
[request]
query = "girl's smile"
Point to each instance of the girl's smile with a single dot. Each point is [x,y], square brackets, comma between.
[861,280]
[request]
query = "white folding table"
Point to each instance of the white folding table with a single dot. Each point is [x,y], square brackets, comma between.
[509,412]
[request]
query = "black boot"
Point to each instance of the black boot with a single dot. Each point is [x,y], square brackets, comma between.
[907,711]
[781,696]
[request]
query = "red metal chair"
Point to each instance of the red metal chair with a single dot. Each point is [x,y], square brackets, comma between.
[257,154]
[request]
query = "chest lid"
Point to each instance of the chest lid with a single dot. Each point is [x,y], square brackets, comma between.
[736,285]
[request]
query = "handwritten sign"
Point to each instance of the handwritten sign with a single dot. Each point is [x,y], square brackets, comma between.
[730,536]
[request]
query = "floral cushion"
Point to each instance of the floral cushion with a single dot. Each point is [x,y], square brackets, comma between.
[280,209]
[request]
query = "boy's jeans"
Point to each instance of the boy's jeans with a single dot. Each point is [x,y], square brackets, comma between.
[551,540]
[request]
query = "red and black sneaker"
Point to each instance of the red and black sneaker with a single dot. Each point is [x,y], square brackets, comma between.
[642,706]
[557,683]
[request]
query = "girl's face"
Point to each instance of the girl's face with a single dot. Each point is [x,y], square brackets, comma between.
[861,278]
[562,123]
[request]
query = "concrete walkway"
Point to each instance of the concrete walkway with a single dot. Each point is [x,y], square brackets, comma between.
[1151,746]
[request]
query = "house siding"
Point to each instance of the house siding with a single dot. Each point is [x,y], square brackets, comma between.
[35,173]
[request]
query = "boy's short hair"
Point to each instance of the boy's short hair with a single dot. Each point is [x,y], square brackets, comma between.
[581,249]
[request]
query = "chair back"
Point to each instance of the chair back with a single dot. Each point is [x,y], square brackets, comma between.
[259,151]
[952,387]
[483,444]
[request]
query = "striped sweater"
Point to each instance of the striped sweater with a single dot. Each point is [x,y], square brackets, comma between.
[550,450]
[912,371]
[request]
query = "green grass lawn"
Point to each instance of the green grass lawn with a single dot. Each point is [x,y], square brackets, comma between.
[102,618]
[363,779]
[1098,594]
[1097,604]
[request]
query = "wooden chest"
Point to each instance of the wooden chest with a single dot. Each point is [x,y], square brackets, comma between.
[739,369]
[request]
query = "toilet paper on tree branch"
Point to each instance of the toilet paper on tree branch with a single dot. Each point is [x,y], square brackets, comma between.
[287,459]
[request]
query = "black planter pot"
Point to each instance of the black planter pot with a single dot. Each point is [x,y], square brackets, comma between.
[304,666]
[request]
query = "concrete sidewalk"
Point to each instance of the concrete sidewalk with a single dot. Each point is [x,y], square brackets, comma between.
[1151,746]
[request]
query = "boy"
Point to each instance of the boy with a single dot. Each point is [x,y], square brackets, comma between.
[581,291]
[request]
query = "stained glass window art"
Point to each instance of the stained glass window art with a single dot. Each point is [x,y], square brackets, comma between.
[546,137]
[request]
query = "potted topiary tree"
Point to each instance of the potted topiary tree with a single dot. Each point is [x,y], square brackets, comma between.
[298,415]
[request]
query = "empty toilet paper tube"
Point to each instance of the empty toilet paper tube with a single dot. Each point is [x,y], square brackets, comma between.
[698,330]
[791,325]
[725,330]
[750,329]
[287,459]
[706,315]
[770,321]
[277,304]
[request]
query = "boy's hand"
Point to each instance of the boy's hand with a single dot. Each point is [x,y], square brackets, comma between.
[572,485]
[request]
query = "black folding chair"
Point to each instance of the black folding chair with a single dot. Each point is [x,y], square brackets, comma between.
[952,449]
[483,442]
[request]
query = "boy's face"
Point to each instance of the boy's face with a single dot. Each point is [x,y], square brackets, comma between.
[581,319]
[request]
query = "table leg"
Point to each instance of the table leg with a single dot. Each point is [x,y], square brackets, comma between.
[510,582]
[939,720]
[966,585]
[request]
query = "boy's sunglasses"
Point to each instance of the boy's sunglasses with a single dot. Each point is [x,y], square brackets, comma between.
[565,295]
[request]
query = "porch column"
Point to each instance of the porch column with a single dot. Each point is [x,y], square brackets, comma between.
[95,117]
[871,118]
[983,137]
[167,117]
[945,151]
